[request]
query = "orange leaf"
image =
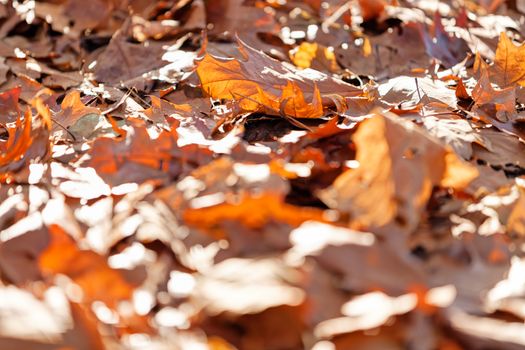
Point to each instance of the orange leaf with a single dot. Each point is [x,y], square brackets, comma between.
[492,103]
[313,55]
[251,211]
[390,151]
[9,105]
[86,268]
[509,66]
[73,109]
[19,140]
[371,9]
[261,83]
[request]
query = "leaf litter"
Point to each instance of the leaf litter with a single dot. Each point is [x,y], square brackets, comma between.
[232,174]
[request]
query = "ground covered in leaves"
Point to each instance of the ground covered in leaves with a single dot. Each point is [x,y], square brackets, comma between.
[262,174]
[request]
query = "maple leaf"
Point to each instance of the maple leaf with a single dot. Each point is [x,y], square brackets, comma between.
[508,68]
[261,83]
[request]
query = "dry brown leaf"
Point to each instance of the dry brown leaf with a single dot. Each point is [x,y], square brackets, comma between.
[138,156]
[261,83]
[185,240]
[123,60]
[9,105]
[28,141]
[72,109]
[248,286]
[390,151]
[449,49]
[492,103]
[457,133]
[509,69]
[516,220]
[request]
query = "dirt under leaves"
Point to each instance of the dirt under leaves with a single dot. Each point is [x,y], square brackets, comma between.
[262,175]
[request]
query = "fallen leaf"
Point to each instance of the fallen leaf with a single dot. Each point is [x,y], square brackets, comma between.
[261,83]
[85,268]
[508,69]
[138,156]
[371,9]
[376,193]
[9,105]
[263,210]
[492,103]
[235,286]
[72,109]
[457,133]
[315,56]
[28,141]
[450,50]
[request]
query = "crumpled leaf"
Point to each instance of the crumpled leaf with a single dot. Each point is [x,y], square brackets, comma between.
[492,103]
[389,150]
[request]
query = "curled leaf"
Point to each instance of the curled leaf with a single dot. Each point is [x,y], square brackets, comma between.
[390,151]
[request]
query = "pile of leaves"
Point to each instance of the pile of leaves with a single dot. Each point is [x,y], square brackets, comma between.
[262,174]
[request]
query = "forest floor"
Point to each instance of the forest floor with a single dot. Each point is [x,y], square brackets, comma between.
[262,174]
